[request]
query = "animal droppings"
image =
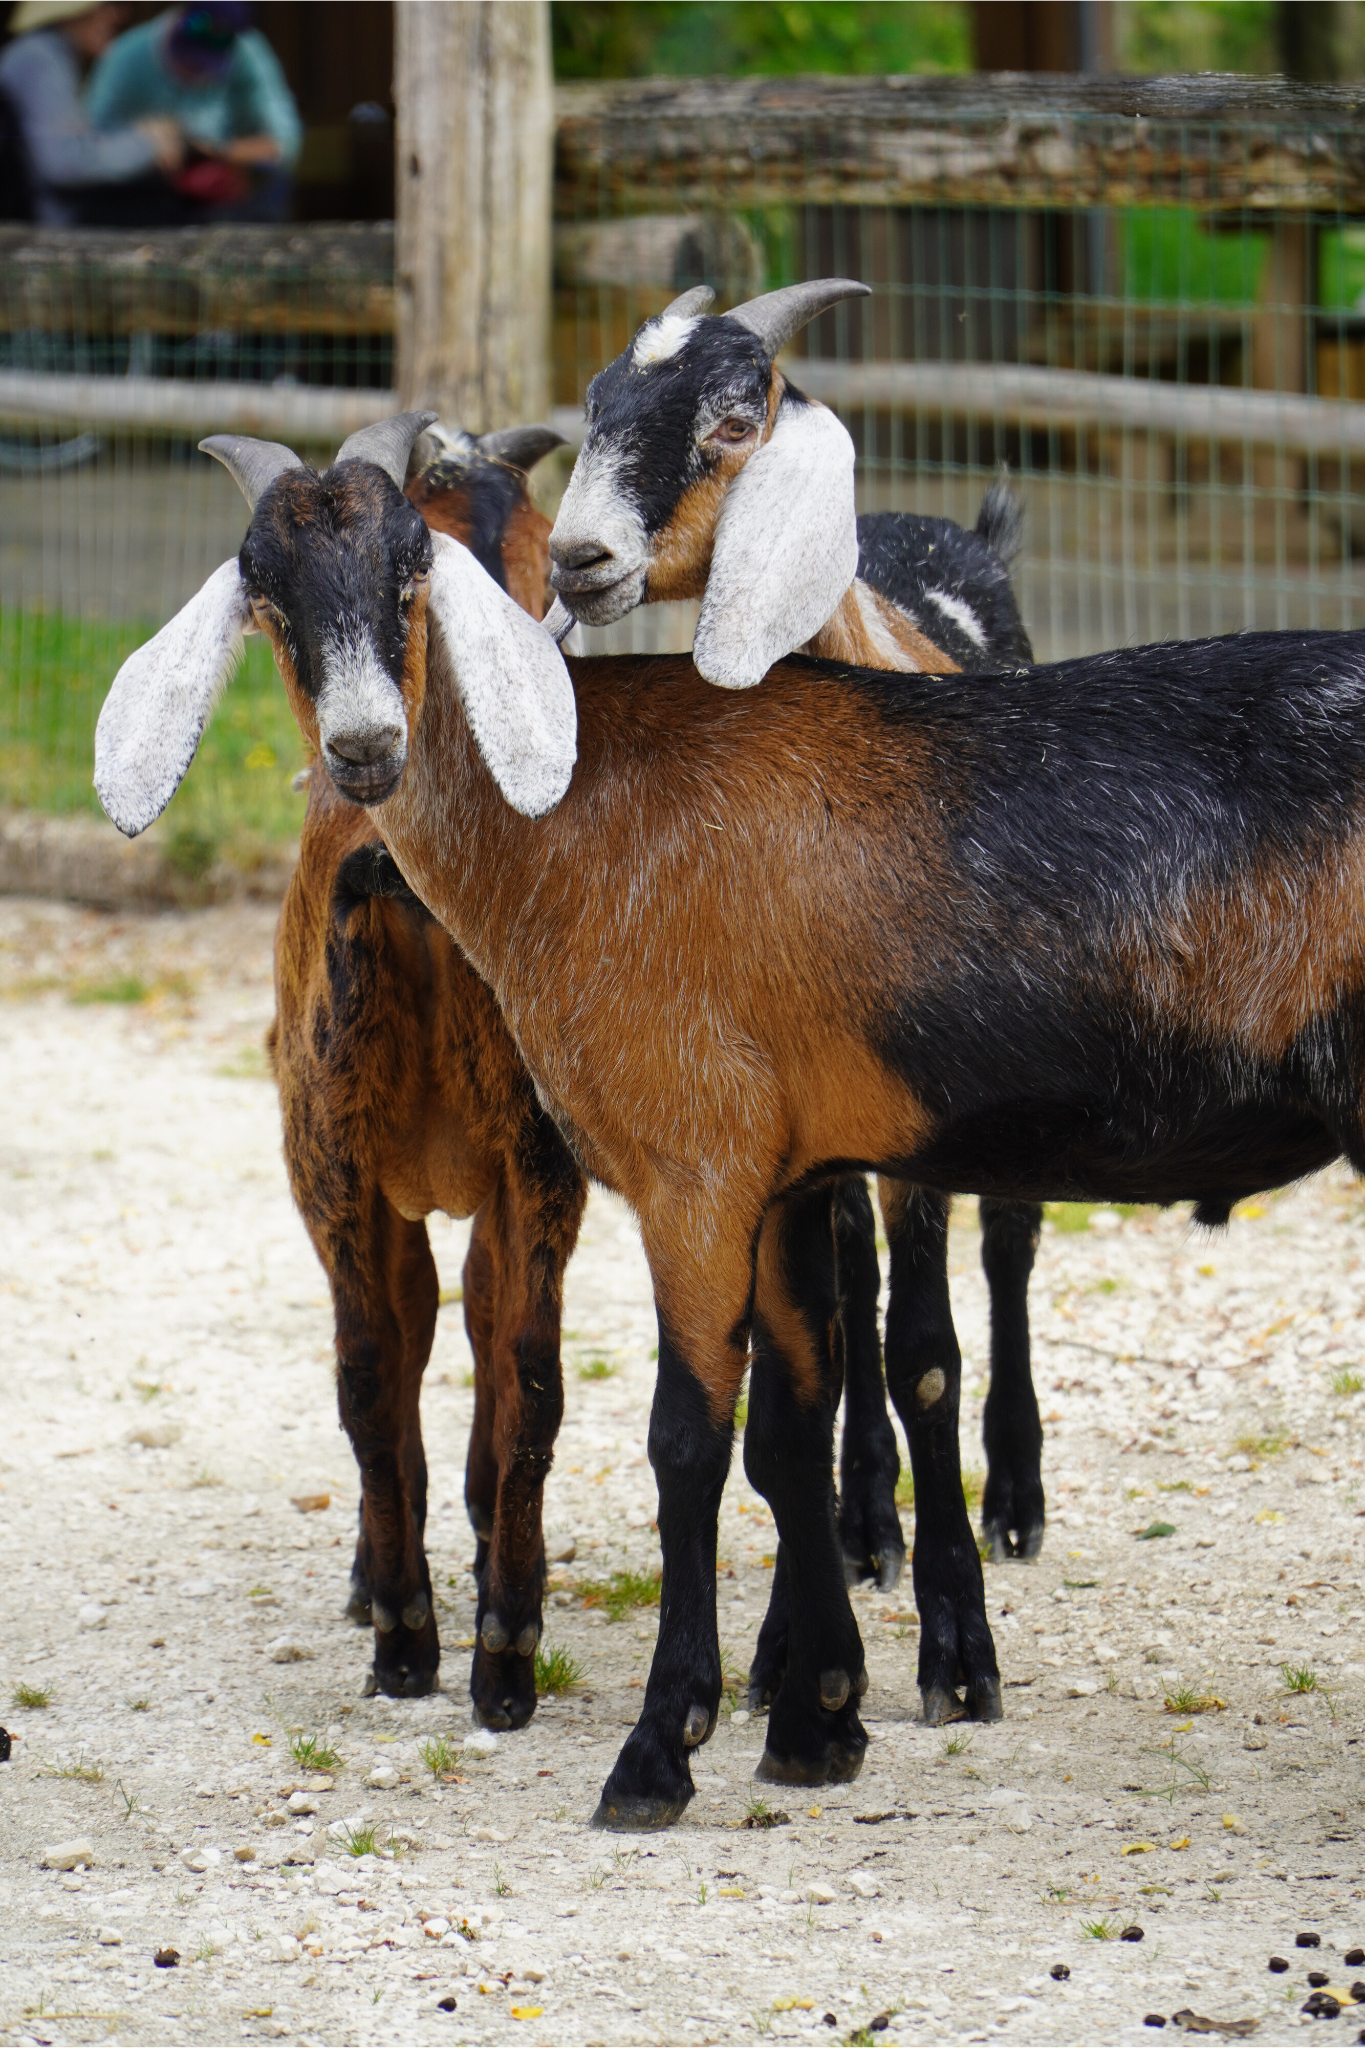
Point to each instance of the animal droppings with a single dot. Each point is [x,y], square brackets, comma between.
[1317,1978]
[1308,1940]
[6,1743]
[1154,2019]
[1131,1934]
[446,2004]
[1353,1958]
[166,1958]
[880,2024]
[1061,1971]
[1279,1964]
[1321,2006]
[1358,1994]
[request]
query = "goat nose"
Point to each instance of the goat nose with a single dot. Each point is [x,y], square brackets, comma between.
[581,554]
[364,748]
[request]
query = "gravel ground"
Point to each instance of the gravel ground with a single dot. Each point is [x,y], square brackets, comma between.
[169,1406]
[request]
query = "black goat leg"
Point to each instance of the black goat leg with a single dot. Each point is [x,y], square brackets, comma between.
[1012,1506]
[869,1526]
[924,1377]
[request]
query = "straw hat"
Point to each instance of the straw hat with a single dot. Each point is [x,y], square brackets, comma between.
[47,13]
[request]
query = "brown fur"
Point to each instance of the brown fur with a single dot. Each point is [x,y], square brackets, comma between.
[897,643]
[403,1093]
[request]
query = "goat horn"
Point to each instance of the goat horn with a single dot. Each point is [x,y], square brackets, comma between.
[519,447]
[695,299]
[252,465]
[388,443]
[778,315]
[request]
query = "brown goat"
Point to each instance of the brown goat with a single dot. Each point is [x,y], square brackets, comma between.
[402,1093]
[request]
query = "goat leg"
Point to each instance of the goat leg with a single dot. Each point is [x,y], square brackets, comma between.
[924,1376]
[1012,1507]
[869,1526]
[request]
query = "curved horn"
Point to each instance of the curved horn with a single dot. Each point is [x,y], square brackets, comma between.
[519,447]
[252,465]
[778,315]
[388,443]
[696,299]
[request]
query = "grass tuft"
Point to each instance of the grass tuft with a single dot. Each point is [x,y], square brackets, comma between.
[31,1697]
[597,1369]
[957,1744]
[85,1770]
[1347,1382]
[313,1753]
[1185,1700]
[361,1841]
[622,1592]
[556,1672]
[1154,1530]
[1300,1678]
[441,1756]
[759,1814]
[1101,1929]
[141,1705]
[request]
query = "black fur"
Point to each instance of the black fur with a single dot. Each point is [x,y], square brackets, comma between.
[910,558]
[492,491]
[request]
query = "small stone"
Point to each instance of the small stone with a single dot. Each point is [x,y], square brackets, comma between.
[820,1895]
[195,1860]
[274,1819]
[1061,1971]
[92,1616]
[531,1973]
[435,1928]
[740,1717]
[1317,1978]
[1154,2019]
[480,1742]
[1131,1934]
[109,1937]
[286,1650]
[310,1503]
[155,1436]
[301,1802]
[1083,1689]
[486,1835]
[1354,1958]
[166,1958]
[245,1852]
[383,1777]
[199,1589]
[863,1885]
[561,1549]
[1308,1939]
[68,1856]
[1279,1964]
[446,2004]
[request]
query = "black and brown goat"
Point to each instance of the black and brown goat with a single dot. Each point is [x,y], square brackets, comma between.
[403,1093]
[704,473]
[1090,931]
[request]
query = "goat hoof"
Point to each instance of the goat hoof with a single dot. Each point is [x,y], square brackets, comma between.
[834,1689]
[1030,1542]
[527,1640]
[624,1813]
[941,1705]
[889,1565]
[357,1608]
[759,1697]
[997,1541]
[984,1702]
[480,1521]
[383,1617]
[845,1761]
[860,1684]
[369,1686]
[792,1770]
[416,1612]
[493,1635]
[696,1727]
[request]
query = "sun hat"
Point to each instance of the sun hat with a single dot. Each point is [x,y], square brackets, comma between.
[204,34]
[30,14]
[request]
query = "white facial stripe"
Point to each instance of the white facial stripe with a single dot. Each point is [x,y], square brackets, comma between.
[960,612]
[596,513]
[359,697]
[659,339]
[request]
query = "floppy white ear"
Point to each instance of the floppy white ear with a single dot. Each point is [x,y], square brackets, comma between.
[786,548]
[511,678]
[160,700]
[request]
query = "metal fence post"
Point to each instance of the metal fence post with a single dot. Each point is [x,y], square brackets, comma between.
[475,143]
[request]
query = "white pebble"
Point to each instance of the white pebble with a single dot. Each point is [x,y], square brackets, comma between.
[820,1895]
[299,1802]
[383,1777]
[68,1856]
[286,1650]
[561,1549]
[92,1616]
[109,1937]
[481,1742]
[863,1885]
[739,1717]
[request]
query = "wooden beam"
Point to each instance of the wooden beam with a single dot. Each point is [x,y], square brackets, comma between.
[475,158]
[174,407]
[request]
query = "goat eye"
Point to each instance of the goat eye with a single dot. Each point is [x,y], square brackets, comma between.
[730,432]
[407,596]
[267,613]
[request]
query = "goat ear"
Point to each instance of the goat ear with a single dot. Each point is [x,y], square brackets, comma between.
[786,548]
[511,679]
[160,700]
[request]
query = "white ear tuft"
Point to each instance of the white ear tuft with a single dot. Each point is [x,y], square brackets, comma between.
[160,700]
[786,548]
[512,681]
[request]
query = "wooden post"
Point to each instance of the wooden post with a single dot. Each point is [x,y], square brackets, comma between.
[475,144]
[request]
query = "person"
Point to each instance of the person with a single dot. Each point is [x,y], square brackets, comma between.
[204,67]
[63,171]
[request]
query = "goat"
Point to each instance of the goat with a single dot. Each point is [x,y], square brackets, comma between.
[402,1092]
[704,473]
[1093,930]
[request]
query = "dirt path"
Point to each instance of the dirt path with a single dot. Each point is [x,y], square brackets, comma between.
[159,1287]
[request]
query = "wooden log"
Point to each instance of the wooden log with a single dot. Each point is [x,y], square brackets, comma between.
[304,415]
[475,156]
[331,278]
[1225,145]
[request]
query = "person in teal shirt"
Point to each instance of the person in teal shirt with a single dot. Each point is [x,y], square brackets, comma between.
[204,67]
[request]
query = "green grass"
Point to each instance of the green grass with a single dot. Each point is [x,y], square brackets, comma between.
[361,1841]
[1258,1447]
[85,1770]
[1071,1217]
[1300,1679]
[556,1672]
[1154,1530]
[1102,1929]
[441,1756]
[31,1697]
[622,1592]
[973,1485]
[1185,1700]
[141,1705]
[54,674]
[312,1753]
[1347,1382]
[958,1744]
[597,1369]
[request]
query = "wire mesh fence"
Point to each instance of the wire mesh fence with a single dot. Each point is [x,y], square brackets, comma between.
[1147,297]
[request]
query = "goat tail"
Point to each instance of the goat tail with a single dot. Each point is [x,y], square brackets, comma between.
[1000,522]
